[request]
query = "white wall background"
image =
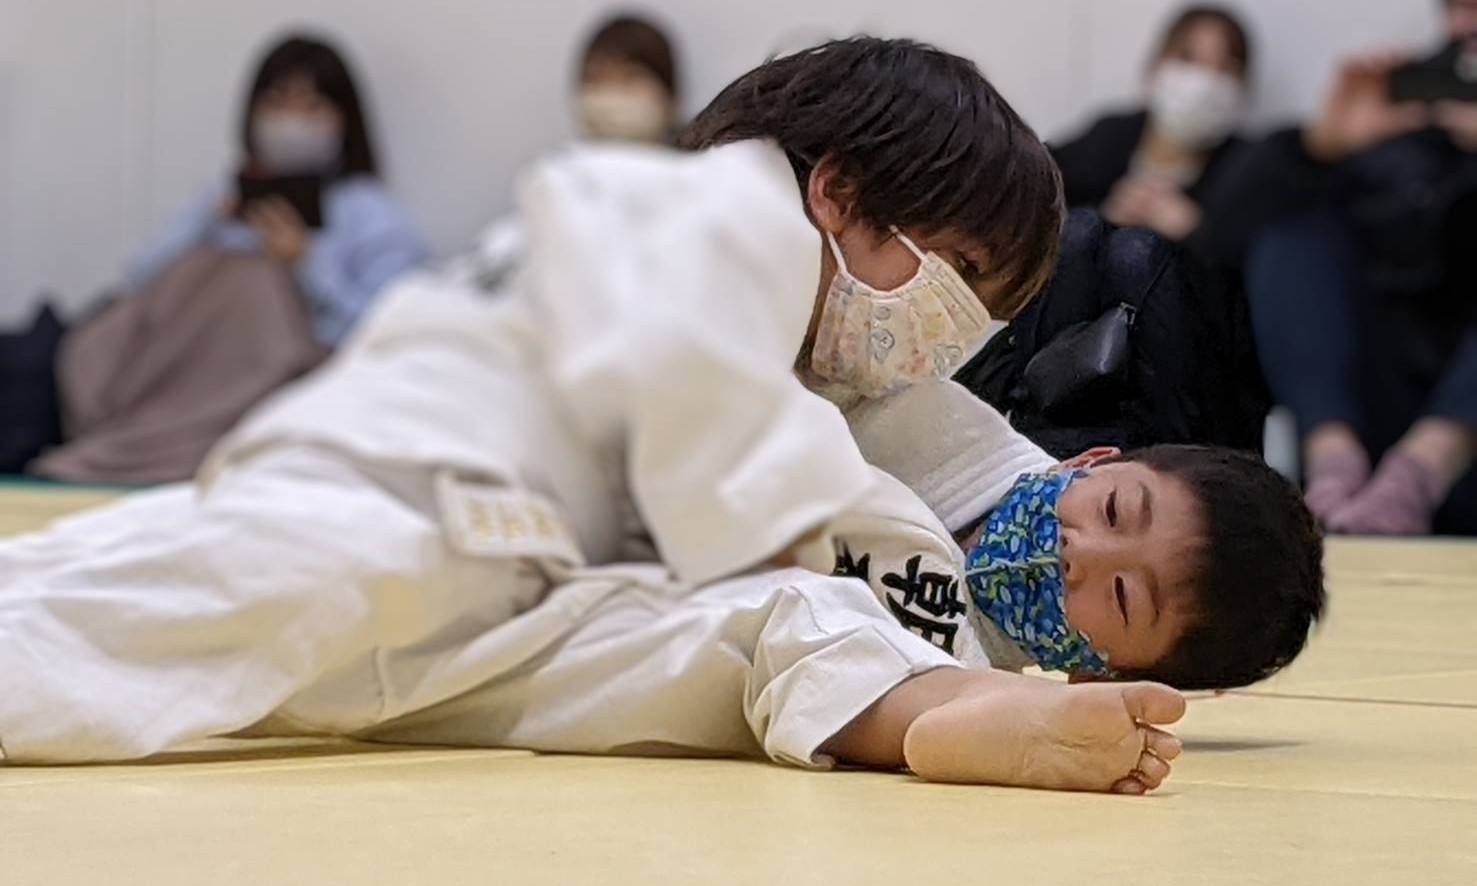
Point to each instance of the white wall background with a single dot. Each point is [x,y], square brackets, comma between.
[113,111]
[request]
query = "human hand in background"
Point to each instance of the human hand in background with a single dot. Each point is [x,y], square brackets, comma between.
[283,234]
[1146,202]
[1459,119]
[1359,114]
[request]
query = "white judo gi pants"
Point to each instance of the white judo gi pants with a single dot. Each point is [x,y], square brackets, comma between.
[303,593]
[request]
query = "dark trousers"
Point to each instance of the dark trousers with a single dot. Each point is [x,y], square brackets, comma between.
[1335,350]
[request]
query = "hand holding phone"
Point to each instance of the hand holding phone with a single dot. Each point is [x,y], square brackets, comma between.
[1361,112]
[304,193]
[280,228]
[1448,76]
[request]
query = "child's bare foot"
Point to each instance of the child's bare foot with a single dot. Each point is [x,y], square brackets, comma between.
[1026,732]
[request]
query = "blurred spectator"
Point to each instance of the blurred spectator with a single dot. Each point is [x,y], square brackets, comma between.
[245,291]
[1357,235]
[626,91]
[628,83]
[1152,168]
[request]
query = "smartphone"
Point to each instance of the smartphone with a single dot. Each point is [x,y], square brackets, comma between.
[303,192]
[1450,75]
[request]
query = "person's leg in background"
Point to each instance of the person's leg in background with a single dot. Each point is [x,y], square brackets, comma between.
[1423,473]
[1303,284]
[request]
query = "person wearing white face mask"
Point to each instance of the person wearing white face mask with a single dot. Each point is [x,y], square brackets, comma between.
[627,87]
[303,118]
[248,288]
[1153,168]
[625,92]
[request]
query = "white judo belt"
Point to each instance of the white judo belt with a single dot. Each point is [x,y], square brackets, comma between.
[489,520]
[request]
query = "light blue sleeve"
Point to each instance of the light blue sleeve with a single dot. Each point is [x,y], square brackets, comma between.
[187,230]
[370,240]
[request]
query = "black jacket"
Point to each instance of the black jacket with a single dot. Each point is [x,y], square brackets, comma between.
[1192,375]
[1094,162]
[30,416]
[1407,200]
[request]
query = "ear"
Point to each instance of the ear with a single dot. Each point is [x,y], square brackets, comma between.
[1090,458]
[829,198]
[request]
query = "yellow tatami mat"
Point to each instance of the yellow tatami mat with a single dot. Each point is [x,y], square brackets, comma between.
[1359,766]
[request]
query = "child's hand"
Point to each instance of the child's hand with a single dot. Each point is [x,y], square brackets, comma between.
[1009,730]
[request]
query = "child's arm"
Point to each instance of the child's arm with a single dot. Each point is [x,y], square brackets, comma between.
[992,727]
[876,738]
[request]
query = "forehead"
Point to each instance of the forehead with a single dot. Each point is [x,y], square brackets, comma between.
[602,65]
[293,83]
[1207,41]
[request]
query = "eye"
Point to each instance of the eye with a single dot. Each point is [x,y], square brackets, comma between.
[1121,593]
[1111,510]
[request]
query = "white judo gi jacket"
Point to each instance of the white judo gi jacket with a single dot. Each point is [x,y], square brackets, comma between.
[640,363]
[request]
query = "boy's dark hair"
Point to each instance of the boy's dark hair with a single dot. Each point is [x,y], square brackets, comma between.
[308,57]
[1259,585]
[1236,33]
[920,136]
[638,41]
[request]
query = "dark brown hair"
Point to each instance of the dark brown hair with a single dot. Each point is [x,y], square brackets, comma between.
[1186,21]
[922,139]
[303,56]
[636,40]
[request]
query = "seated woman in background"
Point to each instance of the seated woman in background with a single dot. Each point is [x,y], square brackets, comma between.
[1356,233]
[1152,168]
[249,288]
[627,89]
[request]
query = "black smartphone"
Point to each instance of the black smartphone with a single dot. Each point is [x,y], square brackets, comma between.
[303,192]
[1450,75]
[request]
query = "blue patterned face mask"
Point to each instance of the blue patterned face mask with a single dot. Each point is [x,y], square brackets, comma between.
[1015,576]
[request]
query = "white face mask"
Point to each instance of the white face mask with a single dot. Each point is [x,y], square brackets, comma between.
[877,342]
[1195,106]
[624,113]
[292,144]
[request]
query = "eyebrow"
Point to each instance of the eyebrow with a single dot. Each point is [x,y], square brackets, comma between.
[1146,505]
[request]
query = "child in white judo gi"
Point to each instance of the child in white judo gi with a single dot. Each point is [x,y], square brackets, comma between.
[413,543]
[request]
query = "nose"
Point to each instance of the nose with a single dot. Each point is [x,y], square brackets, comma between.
[1086,556]
[1070,550]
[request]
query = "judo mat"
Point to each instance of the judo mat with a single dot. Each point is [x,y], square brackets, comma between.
[1358,766]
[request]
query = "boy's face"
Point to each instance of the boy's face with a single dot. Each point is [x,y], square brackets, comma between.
[1129,542]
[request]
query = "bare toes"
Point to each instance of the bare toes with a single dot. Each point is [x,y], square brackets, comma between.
[1152,771]
[1162,745]
[1130,786]
[1154,704]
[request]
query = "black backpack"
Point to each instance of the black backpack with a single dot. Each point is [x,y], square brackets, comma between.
[30,413]
[1153,346]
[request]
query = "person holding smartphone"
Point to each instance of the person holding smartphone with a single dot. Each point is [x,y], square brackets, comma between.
[247,289]
[302,122]
[1357,233]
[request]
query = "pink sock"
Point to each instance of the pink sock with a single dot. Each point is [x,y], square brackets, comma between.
[1334,480]
[1401,500]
